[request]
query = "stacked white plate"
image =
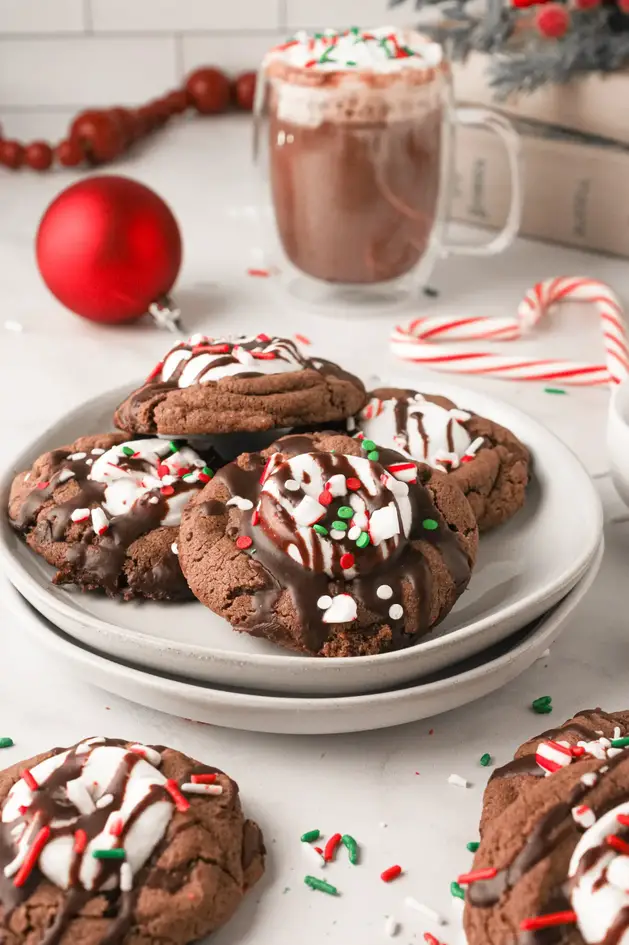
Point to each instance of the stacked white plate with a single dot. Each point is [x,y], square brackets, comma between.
[183,659]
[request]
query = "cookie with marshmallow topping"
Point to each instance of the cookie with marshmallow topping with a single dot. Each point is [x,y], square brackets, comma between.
[486,460]
[327,546]
[121,843]
[105,512]
[248,384]
[553,864]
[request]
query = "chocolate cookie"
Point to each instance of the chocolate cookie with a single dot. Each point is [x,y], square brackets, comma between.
[111,843]
[210,386]
[553,863]
[326,546]
[106,513]
[486,460]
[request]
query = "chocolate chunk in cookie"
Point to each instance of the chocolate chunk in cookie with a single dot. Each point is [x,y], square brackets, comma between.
[486,460]
[325,545]
[114,843]
[210,386]
[106,512]
[553,863]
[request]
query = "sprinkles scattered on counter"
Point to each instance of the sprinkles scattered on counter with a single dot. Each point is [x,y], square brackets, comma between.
[320,885]
[543,705]
[303,340]
[485,760]
[458,781]
[6,742]
[329,851]
[310,836]
[548,921]
[259,273]
[473,846]
[391,926]
[424,910]
[391,873]
[554,390]
[352,848]
[456,890]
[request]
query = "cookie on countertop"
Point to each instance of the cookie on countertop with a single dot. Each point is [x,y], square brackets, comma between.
[553,863]
[105,512]
[215,386]
[486,460]
[112,843]
[326,546]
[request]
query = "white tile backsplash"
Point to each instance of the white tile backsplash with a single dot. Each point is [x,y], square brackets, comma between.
[57,54]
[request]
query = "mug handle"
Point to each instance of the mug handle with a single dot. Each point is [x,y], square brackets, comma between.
[483,117]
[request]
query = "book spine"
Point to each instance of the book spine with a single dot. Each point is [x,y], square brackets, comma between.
[594,104]
[574,193]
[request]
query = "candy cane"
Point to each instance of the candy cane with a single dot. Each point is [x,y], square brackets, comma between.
[417,342]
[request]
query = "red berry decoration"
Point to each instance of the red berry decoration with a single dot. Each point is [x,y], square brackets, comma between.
[100,134]
[245,90]
[553,21]
[69,153]
[38,155]
[11,154]
[108,247]
[208,90]
[587,4]
[623,6]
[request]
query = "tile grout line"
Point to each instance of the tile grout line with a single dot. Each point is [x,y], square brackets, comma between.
[88,18]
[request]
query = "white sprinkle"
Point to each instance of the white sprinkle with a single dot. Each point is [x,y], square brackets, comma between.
[354,532]
[391,927]
[458,780]
[13,326]
[292,485]
[599,732]
[153,500]
[97,451]
[100,522]
[337,534]
[126,877]
[153,757]
[382,824]
[384,592]
[168,480]
[240,503]
[74,456]
[396,611]
[425,910]
[295,553]
[604,769]
[324,602]
[474,446]
[189,788]
[584,816]
[616,732]
[589,779]
[64,475]
[88,462]
[80,515]
[174,548]
[350,425]
[105,801]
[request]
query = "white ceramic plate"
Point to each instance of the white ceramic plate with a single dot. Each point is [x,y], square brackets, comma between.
[524,568]
[279,714]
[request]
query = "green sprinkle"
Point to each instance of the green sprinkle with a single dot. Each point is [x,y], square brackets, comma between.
[320,529]
[310,836]
[543,705]
[616,742]
[368,445]
[116,854]
[207,471]
[128,451]
[485,759]
[350,62]
[457,891]
[352,848]
[355,30]
[554,390]
[473,846]
[374,456]
[339,526]
[174,448]
[363,540]
[430,524]
[6,743]
[321,885]
[345,512]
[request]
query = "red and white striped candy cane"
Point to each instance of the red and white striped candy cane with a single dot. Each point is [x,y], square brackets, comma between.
[421,341]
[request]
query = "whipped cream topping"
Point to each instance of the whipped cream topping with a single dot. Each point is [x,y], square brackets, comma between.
[384,49]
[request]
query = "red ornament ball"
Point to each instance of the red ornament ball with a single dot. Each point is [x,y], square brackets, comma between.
[553,21]
[245,90]
[208,90]
[107,247]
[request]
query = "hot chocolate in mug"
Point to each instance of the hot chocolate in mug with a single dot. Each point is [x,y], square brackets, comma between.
[355,136]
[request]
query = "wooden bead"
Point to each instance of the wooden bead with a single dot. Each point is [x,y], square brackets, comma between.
[11,154]
[209,90]
[38,155]
[100,134]
[69,153]
[146,119]
[177,101]
[159,111]
[125,120]
[244,90]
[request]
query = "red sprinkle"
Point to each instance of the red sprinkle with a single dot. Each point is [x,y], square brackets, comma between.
[318,850]
[311,63]
[255,517]
[623,819]
[181,803]
[162,470]
[22,809]
[156,370]
[183,471]
[477,875]
[616,843]
[31,857]
[30,780]
[430,939]
[43,485]
[116,827]
[211,349]
[330,847]
[264,355]
[243,541]
[577,751]
[303,340]
[467,459]
[167,490]
[80,841]
[203,477]
[392,873]
[347,561]
[325,498]
[262,337]
[203,778]
[260,273]
[547,921]
[353,484]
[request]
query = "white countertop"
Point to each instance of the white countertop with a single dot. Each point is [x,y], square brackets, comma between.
[354,784]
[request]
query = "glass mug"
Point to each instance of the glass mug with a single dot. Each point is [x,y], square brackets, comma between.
[354,137]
